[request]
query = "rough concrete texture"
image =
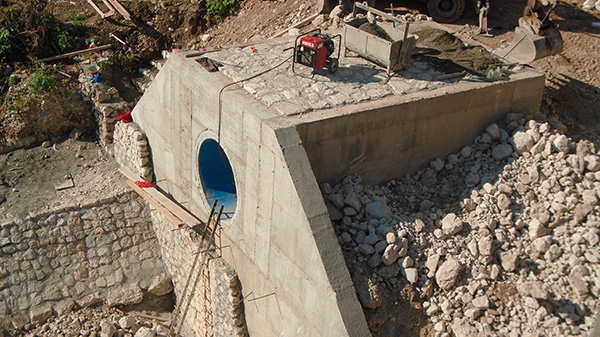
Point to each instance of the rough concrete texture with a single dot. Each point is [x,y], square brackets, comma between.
[280,239]
[280,236]
[88,253]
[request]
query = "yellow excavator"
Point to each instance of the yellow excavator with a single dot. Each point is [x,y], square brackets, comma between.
[536,37]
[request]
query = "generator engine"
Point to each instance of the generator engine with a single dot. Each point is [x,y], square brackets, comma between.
[315,50]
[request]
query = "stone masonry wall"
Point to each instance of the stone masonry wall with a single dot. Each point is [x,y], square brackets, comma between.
[84,254]
[106,103]
[226,301]
[216,309]
[131,149]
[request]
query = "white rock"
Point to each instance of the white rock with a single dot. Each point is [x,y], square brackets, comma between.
[481,302]
[391,254]
[462,328]
[501,151]
[411,274]
[145,332]
[437,164]
[522,142]
[534,289]
[486,246]
[591,236]
[542,244]
[439,327]
[407,262]
[536,229]
[451,224]
[553,253]
[447,275]
[352,201]
[493,131]
[592,163]
[466,152]
[531,303]
[562,143]
[472,313]
[590,197]
[160,285]
[473,249]
[378,210]
[126,295]
[126,322]
[509,260]
[366,249]
[495,272]
[107,329]
[432,262]
[390,237]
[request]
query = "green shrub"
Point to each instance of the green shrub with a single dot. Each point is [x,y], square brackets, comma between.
[13,80]
[41,81]
[220,9]
[66,40]
[6,42]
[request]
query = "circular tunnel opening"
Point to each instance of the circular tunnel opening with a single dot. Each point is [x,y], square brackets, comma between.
[217,177]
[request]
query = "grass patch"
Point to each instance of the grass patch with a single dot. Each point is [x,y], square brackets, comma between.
[217,10]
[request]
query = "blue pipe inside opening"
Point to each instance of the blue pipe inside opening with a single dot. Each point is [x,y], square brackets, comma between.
[217,177]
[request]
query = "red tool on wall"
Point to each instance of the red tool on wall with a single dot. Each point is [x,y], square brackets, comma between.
[315,49]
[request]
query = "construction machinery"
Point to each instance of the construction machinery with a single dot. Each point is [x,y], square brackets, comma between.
[393,53]
[316,50]
[537,36]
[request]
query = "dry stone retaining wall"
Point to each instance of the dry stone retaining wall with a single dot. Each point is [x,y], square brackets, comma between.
[131,149]
[216,309]
[81,254]
[106,104]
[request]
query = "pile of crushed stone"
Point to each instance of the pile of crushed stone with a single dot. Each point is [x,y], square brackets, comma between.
[449,53]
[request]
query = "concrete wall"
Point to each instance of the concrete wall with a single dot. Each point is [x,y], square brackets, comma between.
[384,140]
[79,254]
[280,240]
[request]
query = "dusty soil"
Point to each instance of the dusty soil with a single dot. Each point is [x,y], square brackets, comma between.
[572,92]
[28,177]
[451,55]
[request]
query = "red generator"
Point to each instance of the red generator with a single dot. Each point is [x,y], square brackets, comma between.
[315,50]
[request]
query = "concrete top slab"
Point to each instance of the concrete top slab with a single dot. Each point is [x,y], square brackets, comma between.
[357,80]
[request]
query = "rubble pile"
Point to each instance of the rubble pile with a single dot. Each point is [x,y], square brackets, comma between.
[102,322]
[498,239]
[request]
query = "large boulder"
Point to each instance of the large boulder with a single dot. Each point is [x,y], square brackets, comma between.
[447,275]
[522,142]
[127,295]
[378,210]
[451,224]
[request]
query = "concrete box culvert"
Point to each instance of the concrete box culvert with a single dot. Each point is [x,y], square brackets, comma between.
[283,135]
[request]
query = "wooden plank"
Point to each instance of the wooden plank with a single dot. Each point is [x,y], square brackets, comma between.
[179,212]
[159,207]
[74,53]
[120,9]
[102,14]
[107,4]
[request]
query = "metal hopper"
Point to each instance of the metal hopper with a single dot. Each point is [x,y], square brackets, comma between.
[394,55]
